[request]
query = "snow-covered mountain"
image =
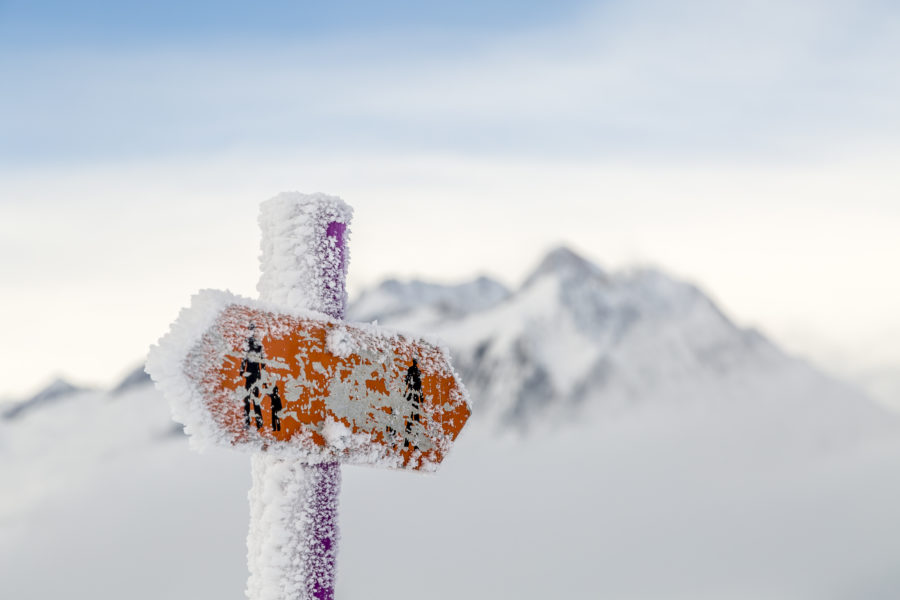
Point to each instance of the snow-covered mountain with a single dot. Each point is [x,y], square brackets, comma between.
[57,390]
[395,299]
[135,378]
[574,339]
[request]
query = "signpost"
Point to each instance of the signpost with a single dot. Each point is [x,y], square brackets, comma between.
[286,379]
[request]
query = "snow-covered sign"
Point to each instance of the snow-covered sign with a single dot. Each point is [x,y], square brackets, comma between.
[255,377]
[287,379]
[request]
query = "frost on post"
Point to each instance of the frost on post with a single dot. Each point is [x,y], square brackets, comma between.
[286,379]
[292,543]
[304,252]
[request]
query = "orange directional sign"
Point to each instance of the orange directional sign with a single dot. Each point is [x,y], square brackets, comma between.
[320,387]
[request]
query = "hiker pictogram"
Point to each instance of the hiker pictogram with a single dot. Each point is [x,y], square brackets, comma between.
[251,368]
[413,394]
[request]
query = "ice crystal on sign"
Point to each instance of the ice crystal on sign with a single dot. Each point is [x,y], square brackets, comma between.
[340,342]
[249,377]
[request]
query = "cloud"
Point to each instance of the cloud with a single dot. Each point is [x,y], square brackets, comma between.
[750,80]
[748,146]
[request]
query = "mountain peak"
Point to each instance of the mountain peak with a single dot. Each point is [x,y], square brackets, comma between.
[394,298]
[564,262]
[56,390]
[136,377]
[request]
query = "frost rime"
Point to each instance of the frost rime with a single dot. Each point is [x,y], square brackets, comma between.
[292,544]
[302,265]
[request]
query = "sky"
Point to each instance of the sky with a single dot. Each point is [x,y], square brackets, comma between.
[750,147]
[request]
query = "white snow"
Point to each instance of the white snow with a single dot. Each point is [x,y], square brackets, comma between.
[298,260]
[288,501]
[717,502]
[292,541]
[166,366]
[394,299]
[293,506]
[340,342]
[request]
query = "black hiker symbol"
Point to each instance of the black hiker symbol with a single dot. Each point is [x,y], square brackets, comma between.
[275,397]
[413,394]
[251,368]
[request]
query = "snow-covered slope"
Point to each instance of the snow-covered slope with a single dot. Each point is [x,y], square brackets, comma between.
[424,301]
[659,503]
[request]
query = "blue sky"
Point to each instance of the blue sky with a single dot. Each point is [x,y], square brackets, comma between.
[114,23]
[752,147]
[757,81]
[91,80]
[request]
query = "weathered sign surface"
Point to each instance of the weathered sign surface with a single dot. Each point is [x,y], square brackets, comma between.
[305,384]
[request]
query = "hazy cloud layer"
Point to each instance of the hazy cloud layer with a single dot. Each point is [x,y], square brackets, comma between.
[698,79]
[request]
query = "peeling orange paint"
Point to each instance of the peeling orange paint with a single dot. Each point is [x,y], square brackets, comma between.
[296,359]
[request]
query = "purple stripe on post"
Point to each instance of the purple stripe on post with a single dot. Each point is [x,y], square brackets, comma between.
[322,562]
[326,477]
[333,274]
